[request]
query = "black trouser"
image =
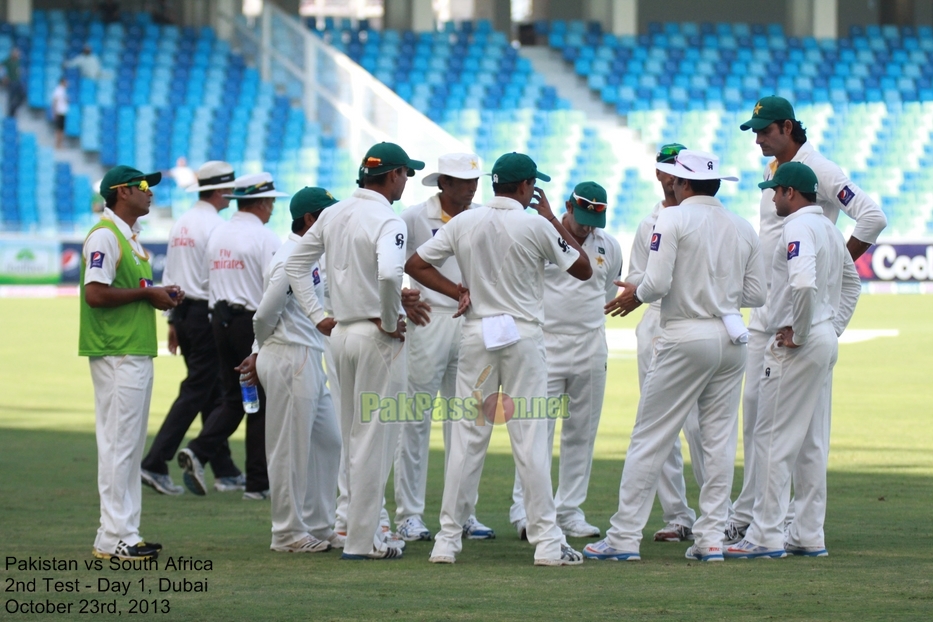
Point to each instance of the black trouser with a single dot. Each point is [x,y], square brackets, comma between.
[16,95]
[199,391]
[234,343]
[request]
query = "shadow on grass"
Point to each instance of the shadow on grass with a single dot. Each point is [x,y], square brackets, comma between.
[879,566]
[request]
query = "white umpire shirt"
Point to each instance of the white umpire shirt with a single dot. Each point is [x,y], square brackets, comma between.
[238,254]
[185,263]
[501,250]
[365,243]
[704,262]
[103,247]
[814,277]
[835,192]
[424,221]
[574,307]
[279,318]
[638,258]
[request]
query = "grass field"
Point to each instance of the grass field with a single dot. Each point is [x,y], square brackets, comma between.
[878,527]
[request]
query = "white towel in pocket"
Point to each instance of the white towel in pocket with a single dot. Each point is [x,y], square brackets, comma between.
[499,331]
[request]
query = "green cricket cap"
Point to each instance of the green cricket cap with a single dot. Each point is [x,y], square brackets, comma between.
[123,175]
[667,153]
[796,175]
[310,201]
[767,111]
[514,167]
[589,203]
[384,157]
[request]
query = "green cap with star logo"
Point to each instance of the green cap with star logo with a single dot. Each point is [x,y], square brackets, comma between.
[767,111]
[589,204]
[515,167]
[310,201]
[796,175]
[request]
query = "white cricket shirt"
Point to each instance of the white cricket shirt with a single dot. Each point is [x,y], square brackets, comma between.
[703,262]
[102,249]
[279,318]
[835,192]
[238,253]
[574,307]
[424,221]
[365,244]
[501,251]
[185,262]
[638,258]
[808,271]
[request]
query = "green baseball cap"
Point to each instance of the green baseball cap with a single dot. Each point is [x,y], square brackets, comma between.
[384,157]
[310,201]
[513,167]
[767,111]
[669,152]
[796,175]
[589,204]
[123,175]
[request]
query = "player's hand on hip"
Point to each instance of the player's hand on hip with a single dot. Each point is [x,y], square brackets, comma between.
[624,303]
[248,369]
[785,338]
[464,303]
[326,326]
[417,310]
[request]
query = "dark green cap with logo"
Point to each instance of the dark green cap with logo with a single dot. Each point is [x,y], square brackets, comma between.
[384,157]
[514,167]
[123,175]
[589,204]
[668,153]
[310,201]
[796,175]
[767,111]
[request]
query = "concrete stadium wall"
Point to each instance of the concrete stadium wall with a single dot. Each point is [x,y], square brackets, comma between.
[711,11]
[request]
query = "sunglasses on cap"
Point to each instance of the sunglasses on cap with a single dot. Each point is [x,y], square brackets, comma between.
[668,153]
[142,184]
[586,204]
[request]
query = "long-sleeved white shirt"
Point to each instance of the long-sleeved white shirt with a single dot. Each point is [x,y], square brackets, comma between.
[703,262]
[638,257]
[424,221]
[808,271]
[238,254]
[365,244]
[835,192]
[574,307]
[185,263]
[501,250]
[279,318]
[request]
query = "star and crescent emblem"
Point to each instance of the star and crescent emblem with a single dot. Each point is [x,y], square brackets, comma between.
[757,108]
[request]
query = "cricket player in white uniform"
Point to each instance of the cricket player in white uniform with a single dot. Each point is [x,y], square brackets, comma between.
[501,252]
[814,289]
[577,356]
[705,266]
[677,514]
[780,135]
[365,244]
[302,435]
[433,349]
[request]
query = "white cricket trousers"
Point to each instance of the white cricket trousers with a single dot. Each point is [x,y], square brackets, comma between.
[433,351]
[695,363]
[366,360]
[672,489]
[122,391]
[302,442]
[521,371]
[792,440]
[754,369]
[576,367]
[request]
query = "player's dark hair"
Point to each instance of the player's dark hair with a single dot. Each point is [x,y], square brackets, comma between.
[441,178]
[204,195]
[798,133]
[298,224]
[111,200]
[245,204]
[511,187]
[705,187]
[809,196]
[373,180]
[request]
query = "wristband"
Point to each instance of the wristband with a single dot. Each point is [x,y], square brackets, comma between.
[635,296]
[552,218]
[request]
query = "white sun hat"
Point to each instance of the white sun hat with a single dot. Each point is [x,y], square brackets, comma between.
[213,175]
[255,186]
[459,165]
[694,164]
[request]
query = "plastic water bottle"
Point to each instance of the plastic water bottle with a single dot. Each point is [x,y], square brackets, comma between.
[250,396]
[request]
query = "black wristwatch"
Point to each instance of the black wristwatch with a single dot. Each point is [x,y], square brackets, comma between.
[635,296]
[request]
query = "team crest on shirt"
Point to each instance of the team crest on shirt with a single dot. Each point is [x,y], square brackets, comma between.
[434,232]
[562,244]
[97,259]
[600,250]
[316,276]
[143,282]
[655,241]
[793,250]
[845,195]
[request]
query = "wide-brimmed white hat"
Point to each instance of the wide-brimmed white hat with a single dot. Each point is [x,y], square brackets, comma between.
[459,165]
[694,164]
[255,186]
[213,175]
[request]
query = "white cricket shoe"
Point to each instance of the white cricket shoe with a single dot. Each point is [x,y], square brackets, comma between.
[579,528]
[413,528]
